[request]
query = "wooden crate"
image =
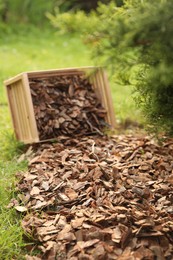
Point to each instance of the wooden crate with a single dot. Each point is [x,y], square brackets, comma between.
[21,106]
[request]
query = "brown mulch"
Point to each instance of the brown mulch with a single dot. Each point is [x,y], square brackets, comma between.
[99,197]
[88,196]
[66,105]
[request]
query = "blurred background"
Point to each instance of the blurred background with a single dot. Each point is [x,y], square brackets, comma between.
[38,35]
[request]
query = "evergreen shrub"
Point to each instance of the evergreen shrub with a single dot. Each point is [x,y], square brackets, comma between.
[136,42]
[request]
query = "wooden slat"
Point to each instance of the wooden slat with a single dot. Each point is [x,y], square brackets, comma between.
[61,70]
[19,108]
[30,76]
[13,80]
[55,73]
[14,110]
[23,112]
[109,99]
[100,86]
[65,71]
[93,81]
[33,132]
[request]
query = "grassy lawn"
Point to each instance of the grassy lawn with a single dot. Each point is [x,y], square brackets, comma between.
[39,50]
[26,50]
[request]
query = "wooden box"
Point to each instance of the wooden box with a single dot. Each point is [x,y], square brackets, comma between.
[21,105]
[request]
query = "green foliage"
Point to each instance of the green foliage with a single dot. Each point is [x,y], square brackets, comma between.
[24,11]
[29,11]
[69,22]
[148,31]
[96,30]
[86,6]
[139,45]
[93,30]
[3,10]
[66,5]
[155,86]
[135,42]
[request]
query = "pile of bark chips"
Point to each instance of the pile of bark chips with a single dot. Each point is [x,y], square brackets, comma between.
[66,105]
[89,196]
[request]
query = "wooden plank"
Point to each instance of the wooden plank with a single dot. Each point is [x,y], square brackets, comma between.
[55,72]
[100,86]
[33,132]
[12,80]
[102,90]
[14,110]
[93,81]
[106,99]
[44,75]
[23,112]
[19,107]
[62,69]
[109,99]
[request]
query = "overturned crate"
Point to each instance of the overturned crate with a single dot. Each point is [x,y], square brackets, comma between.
[29,98]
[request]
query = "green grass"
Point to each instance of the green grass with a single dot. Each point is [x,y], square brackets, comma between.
[11,235]
[124,105]
[29,49]
[39,50]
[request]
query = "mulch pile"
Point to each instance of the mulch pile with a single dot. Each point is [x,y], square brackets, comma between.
[88,196]
[99,198]
[66,105]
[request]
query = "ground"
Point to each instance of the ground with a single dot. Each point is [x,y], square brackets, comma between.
[98,197]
